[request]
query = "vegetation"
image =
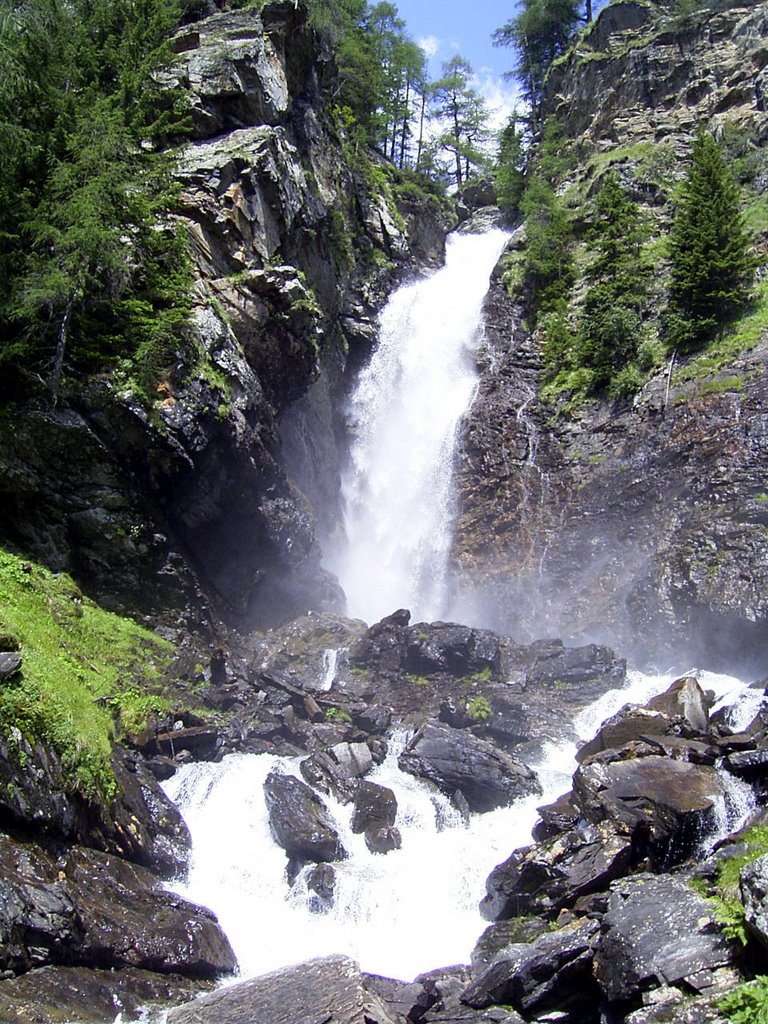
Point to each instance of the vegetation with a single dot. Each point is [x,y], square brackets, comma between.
[712,260]
[747,1004]
[93,270]
[87,674]
[725,893]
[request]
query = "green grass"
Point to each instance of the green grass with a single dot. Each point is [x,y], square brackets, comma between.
[740,337]
[86,674]
[747,1004]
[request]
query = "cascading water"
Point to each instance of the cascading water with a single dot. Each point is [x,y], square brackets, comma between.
[398,489]
[409,911]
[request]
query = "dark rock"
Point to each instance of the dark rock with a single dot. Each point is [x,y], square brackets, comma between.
[375,719]
[375,806]
[454,759]
[52,995]
[321,880]
[552,973]
[657,929]
[202,741]
[501,934]
[557,817]
[300,821]
[591,666]
[748,764]
[754,894]
[551,875]
[331,988]
[668,805]
[410,1001]
[455,650]
[383,838]
[337,769]
[128,920]
[10,664]
[141,824]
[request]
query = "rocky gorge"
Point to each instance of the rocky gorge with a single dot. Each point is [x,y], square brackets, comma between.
[638,523]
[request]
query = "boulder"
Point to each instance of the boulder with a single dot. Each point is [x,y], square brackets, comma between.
[300,821]
[128,920]
[90,996]
[668,805]
[10,664]
[383,838]
[552,973]
[500,934]
[457,760]
[552,875]
[684,699]
[451,649]
[140,824]
[375,806]
[321,881]
[337,769]
[328,989]
[657,930]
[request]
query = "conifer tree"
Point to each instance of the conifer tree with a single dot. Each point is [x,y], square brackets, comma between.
[713,263]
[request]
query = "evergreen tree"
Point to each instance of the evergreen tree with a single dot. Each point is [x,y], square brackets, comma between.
[540,32]
[713,263]
[548,269]
[611,325]
[509,172]
[464,114]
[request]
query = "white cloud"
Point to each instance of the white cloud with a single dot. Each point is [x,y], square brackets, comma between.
[501,97]
[430,45]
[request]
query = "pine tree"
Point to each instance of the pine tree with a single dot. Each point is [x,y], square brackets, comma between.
[713,263]
[464,114]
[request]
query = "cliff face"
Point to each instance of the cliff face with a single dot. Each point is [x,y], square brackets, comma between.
[296,237]
[640,520]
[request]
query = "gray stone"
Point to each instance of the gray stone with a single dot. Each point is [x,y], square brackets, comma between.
[328,989]
[300,821]
[657,930]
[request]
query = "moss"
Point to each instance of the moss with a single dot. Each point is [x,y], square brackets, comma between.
[334,714]
[82,667]
[478,708]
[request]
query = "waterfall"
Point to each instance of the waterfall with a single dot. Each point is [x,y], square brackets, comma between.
[397,914]
[397,491]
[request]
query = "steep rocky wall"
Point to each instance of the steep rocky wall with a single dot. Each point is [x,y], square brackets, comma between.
[185,508]
[640,520]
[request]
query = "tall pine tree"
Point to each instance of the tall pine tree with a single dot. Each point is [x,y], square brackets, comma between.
[713,263]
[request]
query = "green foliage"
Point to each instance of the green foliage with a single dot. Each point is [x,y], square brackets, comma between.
[726,894]
[479,709]
[747,1004]
[77,661]
[334,714]
[83,184]
[509,172]
[463,114]
[548,269]
[712,261]
[540,32]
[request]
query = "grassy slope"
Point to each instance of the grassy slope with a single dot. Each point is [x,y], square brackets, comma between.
[84,670]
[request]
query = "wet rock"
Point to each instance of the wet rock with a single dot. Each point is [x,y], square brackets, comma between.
[337,769]
[321,880]
[684,699]
[667,805]
[375,719]
[383,838]
[331,988]
[128,920]
[560,816]
[201,740]
[375,806]
[552,973]
[453,759]
[141,824]
[445,647]
[657,928]
[52,995]
[748,764]
[409,1001]
[501,934]
[551,875]
[300,821]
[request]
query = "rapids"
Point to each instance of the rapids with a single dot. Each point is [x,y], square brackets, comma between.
[400,914]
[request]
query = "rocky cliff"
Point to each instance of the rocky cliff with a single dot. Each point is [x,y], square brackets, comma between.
[642,519]
[296,236]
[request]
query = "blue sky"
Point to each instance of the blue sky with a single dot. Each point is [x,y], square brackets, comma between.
[448,27]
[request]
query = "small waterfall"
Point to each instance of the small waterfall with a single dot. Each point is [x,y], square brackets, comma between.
[330,667]
[398,491]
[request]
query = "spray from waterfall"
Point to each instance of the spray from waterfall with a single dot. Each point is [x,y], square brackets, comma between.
[398,489]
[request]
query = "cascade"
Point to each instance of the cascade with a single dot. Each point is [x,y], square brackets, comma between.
[397,491]
[398,914]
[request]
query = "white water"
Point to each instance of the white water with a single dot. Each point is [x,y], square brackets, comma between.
[398,914]
[398,492]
